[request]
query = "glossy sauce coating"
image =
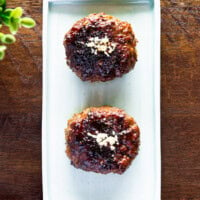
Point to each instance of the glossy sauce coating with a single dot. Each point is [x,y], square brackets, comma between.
[113,154]
[93,63]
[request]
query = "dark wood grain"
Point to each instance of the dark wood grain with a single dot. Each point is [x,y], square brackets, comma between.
[180,100]
[20,111]
[21,102]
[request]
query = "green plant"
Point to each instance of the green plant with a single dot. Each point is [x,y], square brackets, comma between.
[12,18]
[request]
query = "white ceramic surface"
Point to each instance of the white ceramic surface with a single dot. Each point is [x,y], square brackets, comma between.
[64,94]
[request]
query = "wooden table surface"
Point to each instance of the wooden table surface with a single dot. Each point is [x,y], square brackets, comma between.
[21,104]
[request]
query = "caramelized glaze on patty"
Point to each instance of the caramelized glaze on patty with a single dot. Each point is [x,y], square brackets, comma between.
[100,47]
[103,140]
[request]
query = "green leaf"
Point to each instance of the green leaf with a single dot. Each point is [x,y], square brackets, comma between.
[17,12]
[2,51]
[1,35]
[6,21]
[2,48]
[13,25]
[7,11]
[6,15]
[12,19]
[2,2]
[2,55]
[27,22]
[8,39]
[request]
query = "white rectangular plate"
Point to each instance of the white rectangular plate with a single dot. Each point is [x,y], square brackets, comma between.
[138,93]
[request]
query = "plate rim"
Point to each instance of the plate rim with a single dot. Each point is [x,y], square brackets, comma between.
[157,108]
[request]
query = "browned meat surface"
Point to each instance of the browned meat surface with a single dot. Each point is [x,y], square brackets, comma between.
[102,140]
[100,47]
